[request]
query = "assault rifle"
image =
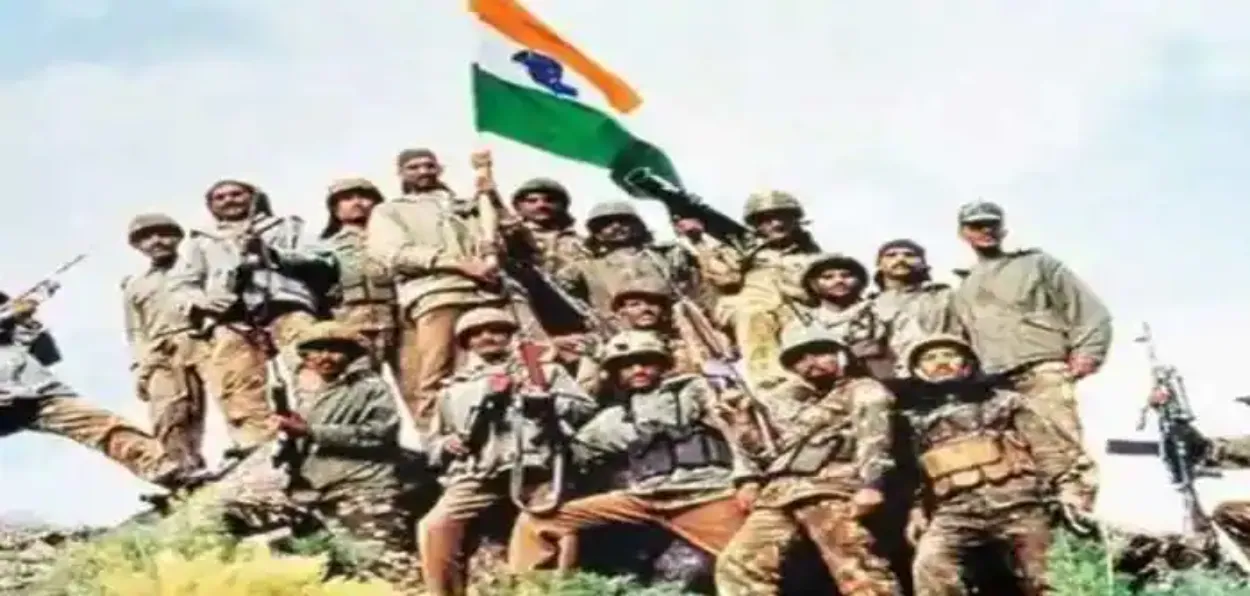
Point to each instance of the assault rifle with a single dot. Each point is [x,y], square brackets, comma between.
[39,293]
[529,352]
[682,204]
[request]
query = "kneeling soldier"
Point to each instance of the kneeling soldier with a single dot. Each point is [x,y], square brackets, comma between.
[984,483]
[348,418]
[683,471]
[832,454]
[483,434]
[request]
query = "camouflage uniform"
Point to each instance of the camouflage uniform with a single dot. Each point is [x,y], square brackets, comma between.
[558,246]
[287,299]
[983,484]
[828,448]
[473,484]
[682,469]
[856,325]
[1025,315]
[33,399]
[349,478]
[365,294]
[913,311]
[166,360]
[753,288]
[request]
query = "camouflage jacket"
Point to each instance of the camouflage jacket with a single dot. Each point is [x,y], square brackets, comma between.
[420,238]
[22,376]
[858,326]
[353,432]
[596,279]
[555,250]
[488,425]
[209,263]
[914,313]
[971,448]
[763,279]
[151,312]
[830,445]
[365,294]
[679,406]
[1230,452]
[1026,307]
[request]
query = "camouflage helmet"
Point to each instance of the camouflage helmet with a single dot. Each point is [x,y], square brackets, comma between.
[771,200]
[628,344]
[608,209]
[544,185]
[151,221]
[798,337]
[483,317]
[343,185]
[913,352]
[833,261]
[331,335]
[643,286]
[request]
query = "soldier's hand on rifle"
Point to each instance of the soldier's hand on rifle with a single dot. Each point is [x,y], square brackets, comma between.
[1082,365]
[746,495]
[500,384]
[573,343]
[478,269]
[689,227]
[23,308]
[291,424]
[1159,396]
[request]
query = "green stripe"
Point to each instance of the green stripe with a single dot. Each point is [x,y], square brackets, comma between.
[565,128]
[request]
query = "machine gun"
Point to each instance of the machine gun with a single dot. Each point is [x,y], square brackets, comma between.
[682,204]
[1179,450]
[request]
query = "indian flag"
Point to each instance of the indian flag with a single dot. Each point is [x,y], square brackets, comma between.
[533,87]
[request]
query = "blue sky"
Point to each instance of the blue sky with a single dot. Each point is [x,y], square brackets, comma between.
[1114,132]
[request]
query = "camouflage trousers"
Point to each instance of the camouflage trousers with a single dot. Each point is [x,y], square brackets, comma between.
[169,380]
[1022,534]
[1234,518]
[751,564]
[92,426]
[757,330]
[707,521]
[1051,390]
[380,526]
[236,375]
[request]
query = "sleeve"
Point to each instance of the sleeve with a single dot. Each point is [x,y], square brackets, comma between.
[707,400]
[188,275]
[1231,452]
[1089,321]
[948,319]
[572,403]
[309,260]
[719,264]
[572,277]
[376,426]
[605,435]
[130,321]
[387,242]
[873,425]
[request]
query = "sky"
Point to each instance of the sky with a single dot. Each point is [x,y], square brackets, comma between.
[1114,133]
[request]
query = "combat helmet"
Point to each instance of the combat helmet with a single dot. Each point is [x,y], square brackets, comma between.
[798,337]
[151,221]
[341,186]
[629,344]
[331,335]
[833,261]
[483,317]
[913,352]
[606,209]
[771,200]
[544,185]
[642,286]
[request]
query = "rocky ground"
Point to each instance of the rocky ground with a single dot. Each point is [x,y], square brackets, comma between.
[28,550]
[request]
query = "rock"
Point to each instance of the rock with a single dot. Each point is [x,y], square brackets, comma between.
[28,551]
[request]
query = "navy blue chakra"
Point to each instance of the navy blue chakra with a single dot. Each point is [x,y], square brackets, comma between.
[545,71]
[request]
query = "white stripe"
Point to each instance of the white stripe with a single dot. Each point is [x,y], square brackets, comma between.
[495,54]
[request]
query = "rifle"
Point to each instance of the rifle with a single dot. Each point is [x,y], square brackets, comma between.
[529,352]
[39,293]
[682,204]
[1177,449]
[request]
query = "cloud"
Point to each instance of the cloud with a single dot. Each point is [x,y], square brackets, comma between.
[882,118]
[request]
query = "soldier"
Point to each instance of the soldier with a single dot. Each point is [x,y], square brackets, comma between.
[983,484]
[1232,452]
[479,432]
[33,399]
[684,475]
[166,359]
[542,206]
[835,284]
[833,453]
[911,304]
[348,420]
[365,296]
[1029,318]
[753,286]
[445,261]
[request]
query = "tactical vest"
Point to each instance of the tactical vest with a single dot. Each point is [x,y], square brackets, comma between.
[967,461]
[660,452]
[362,280]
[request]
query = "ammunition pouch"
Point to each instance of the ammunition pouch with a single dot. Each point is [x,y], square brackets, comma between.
[664,452]
[967,462]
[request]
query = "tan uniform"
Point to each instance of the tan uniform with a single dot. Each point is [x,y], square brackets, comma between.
[167,363]
[365,296]
[597,279]
[556,249]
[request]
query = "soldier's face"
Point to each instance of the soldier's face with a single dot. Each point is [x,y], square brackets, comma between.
[327,363]
[981,235]
[489,342]
[835,284]
[818,366]
[943,363]
[230,202]
[617,230]
[353,207]
[157,244]
[775,225]
[539,207]
[899,263]
[421,173]
[640,374]
[641,313]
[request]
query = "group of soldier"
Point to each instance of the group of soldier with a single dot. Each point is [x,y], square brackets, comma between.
[748,394]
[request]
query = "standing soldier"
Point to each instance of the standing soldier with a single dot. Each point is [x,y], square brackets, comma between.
[483,439]
[1031,319]
[542,206]
[347,420]
[833,453]
[983,485]
[912,305]
[835,284]
[166,359]
[365,296]
[250,271]
[33,399]
[753,286]
[684,475]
